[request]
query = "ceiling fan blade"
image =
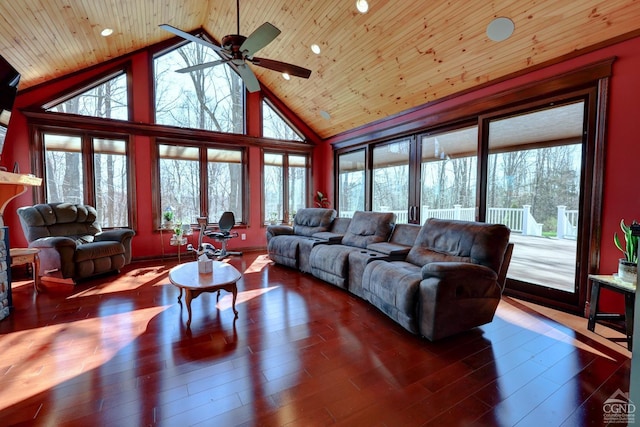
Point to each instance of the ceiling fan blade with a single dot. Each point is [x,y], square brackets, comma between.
[250,80]
[283,67]
[192,38]
[261,37]
[202,66]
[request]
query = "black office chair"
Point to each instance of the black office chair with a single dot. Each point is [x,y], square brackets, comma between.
[225,224]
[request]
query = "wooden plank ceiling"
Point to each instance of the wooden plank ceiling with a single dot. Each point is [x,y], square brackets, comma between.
[399,55]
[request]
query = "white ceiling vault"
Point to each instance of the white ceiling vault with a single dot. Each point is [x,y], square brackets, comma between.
[399,55]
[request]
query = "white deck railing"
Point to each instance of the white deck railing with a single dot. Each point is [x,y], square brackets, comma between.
[519,220]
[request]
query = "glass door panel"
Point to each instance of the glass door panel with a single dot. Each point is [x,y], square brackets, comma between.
[391,179]
[297,183]
[351,183]
[533,186]
[448,174]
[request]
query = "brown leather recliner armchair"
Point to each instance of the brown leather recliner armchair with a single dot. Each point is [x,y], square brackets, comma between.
[71,242]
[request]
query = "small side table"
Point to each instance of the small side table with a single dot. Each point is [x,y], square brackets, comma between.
[613,283]
[21,256]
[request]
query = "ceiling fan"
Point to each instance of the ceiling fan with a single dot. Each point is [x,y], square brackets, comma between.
[239,50]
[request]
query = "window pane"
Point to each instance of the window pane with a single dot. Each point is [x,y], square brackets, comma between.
[351,177]
[274,126]
[273,187]
[297,183]
[210,99]
[448,175]
[107,100]
[225,183]
[391,179]
[180,182]
[110,167]
[63,171]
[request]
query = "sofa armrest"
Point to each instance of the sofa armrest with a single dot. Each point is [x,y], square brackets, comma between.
[395,251]
[116,234]
[56,242]
[56,255]
[456,280]
[278,230]
[329,236]
[122,235]
[455,297]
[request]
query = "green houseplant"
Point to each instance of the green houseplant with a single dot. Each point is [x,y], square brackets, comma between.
[321,200]
[627,266]
[168,216]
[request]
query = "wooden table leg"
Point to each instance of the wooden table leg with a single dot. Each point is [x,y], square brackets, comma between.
[629,302]
[234,291]
[180,296]
[595,296]
[36,272]
[188,298]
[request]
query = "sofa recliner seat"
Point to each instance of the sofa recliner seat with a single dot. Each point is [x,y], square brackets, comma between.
[397,247]
[449,281]
[291,245]
[331,263]
[72,244]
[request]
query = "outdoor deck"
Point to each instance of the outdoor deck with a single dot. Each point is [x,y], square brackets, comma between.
[543,261]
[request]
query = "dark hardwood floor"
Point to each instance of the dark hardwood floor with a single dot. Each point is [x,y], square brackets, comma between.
[115,352]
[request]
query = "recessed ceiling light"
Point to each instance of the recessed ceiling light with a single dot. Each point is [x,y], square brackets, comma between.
[500,29]
[286,76]
[315,49]
[362,6]
[325,115]
[106,32]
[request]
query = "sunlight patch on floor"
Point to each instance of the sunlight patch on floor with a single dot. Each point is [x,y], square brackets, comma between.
[131,280]
[258,264]
[518,317]
[226,301]
[58,353]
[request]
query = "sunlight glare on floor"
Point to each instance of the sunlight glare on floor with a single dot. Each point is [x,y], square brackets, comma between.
[258,265]
[59,352]
[133,279]
[518,317]
[227,300]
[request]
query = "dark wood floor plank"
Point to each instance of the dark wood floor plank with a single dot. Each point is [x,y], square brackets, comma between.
[115,351]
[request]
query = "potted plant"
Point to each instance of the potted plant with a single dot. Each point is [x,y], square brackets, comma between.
[627,266]
[321,200]
[167,216]
[177,238]
[273,218]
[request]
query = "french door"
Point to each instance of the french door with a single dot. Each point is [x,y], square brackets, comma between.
[535,185]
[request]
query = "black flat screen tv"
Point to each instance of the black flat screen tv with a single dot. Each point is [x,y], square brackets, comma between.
[9,79]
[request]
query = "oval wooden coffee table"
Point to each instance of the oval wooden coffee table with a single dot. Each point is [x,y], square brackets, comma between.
[185,276]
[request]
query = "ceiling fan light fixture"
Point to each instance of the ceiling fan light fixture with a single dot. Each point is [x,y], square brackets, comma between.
[325,115]
[315,49]
[362,6]
[286,76]
[500,29]
[106,32]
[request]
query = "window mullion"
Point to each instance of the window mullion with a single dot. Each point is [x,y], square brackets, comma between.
[89,170]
